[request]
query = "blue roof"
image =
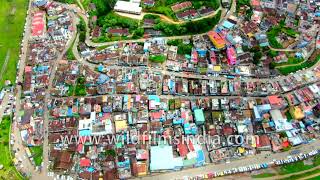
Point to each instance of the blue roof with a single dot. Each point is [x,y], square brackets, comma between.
[90,169]
[42,68]
[161,158]
[100,68]
[69,113]
[264,44]
[227,24]
[200,157]
[154,97]
[199,115]
[102,79]
[85,132]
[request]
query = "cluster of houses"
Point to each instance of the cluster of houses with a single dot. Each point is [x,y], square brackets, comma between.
[51,28]
[185,11]
[140,134]
[140,80]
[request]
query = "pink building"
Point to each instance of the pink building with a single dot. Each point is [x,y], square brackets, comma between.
[232,56]
[194,56]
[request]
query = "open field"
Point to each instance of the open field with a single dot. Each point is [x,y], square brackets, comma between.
[37,152]
[12,19]
[9,171]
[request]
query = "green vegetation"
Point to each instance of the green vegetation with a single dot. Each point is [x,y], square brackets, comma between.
[9,171]
[276,30]
[157,58]
[164,6]
[66,1]
[273,53]
[263,175]
[12,19]
[111,152]
[291,61]
[243,3]
[315,178]
[257,54]
[299,166]
[295,167]
[108,19]
[69,53]
[70,90]
[288,115]
[81,29]
[299,176]
[85,4]
[37,152]
[182,48]
[80,89]
[113,20]
[191,27]
[103,8]
[272,34]
[306,64]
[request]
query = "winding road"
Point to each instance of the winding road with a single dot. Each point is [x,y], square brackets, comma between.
[167,19]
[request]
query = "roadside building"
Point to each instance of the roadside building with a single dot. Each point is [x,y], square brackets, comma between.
[216,39]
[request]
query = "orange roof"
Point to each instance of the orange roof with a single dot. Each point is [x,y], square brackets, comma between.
[274,99]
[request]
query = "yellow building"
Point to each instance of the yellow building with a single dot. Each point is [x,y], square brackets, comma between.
[217,40]
[296,112]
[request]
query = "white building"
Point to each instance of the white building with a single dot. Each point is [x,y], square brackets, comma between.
[132,7]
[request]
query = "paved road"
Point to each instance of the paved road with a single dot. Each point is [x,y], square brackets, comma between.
[255,159]
[166,18]
[46,101]
[26,167]
[224,15]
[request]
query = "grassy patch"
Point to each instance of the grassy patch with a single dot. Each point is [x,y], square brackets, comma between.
[276,30]
[70,90]
[294,167]
[37,152]
[315,178]
[9,171]
[164,6]
[80,89]
[12,19]
[70,55]
[299,176]
[189,28]
[182,48]
[272,34]
[66,1]
[85,4]
[263,175]
[307,64]
[291,61]
[157,58]
[243,3]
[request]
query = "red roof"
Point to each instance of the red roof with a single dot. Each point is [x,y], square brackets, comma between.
[275,100]
[285,144]
[180,6]
[27,69]
[183,149]
[85,162]
[263,141]
[190,145]
[38,24]
[80,146]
